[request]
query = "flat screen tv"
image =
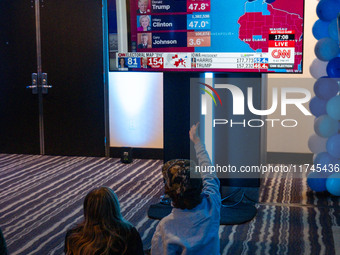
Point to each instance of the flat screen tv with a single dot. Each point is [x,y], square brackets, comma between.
[207,35]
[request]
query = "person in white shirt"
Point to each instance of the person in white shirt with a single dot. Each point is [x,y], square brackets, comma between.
[192,226]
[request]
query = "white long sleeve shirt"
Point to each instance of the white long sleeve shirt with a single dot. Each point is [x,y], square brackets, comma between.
[195,231]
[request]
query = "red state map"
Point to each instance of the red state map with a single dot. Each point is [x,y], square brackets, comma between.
[296,7]
[257,24]
[178,61]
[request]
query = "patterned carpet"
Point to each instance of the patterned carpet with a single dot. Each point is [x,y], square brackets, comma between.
[41,197]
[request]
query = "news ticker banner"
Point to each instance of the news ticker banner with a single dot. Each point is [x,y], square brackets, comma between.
[205,61]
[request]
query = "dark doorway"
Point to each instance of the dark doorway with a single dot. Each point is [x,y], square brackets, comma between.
[72,56]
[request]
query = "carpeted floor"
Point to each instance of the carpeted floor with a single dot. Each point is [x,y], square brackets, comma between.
[41,197]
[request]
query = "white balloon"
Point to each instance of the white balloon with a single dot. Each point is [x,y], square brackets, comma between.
[317,144]
[318,68]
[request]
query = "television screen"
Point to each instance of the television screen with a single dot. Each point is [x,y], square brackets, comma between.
[210,35]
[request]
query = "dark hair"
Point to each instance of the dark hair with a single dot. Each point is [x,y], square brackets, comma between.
[103,231]
[183,189]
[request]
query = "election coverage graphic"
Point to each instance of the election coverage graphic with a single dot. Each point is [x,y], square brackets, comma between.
[233,35]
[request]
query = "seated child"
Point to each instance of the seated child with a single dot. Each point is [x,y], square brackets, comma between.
[192,226]
[104,231]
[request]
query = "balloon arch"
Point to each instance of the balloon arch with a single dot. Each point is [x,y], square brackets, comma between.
[325,106]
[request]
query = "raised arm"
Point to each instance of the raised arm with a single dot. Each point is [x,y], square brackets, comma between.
[211,183]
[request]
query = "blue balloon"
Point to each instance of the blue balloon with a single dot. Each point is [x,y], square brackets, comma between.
[333,30]
[317,144]
[326,49]
[317,181]
[325,162]
[333,107]
[326,88]
[325,126]
[317,106]
[333,146]
[333,184]
[320,29]
[324,158]
[327,9]
[333,68]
